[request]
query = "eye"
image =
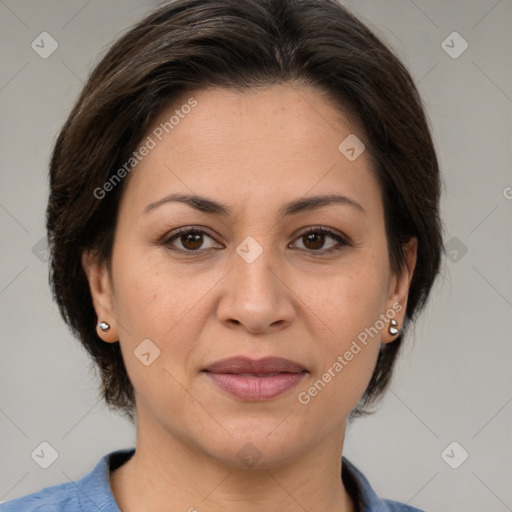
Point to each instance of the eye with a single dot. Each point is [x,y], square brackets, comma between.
[314,239]
[191,240]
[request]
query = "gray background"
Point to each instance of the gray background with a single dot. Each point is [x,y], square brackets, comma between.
[453,381]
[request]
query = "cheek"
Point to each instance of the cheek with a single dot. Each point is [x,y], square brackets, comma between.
[349,301]
[160,301]
[153,309]
[348,340]
[152,296]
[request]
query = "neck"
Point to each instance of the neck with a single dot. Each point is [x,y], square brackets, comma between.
[167,475]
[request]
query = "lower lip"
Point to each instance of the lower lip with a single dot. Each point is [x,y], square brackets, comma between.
[252,387]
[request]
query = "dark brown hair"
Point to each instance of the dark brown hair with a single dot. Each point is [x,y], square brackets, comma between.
[188,45]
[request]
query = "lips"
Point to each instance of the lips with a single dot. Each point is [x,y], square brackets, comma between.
[264,366]
[254,380]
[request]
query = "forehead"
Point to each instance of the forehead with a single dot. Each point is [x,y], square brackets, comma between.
[268,144]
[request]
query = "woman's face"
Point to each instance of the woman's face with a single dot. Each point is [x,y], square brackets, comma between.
[244,279]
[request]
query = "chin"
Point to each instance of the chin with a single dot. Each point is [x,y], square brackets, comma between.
[257,454]
[258,444]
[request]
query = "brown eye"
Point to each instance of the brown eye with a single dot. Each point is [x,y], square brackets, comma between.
[315,239]
[192,240]
[188,240]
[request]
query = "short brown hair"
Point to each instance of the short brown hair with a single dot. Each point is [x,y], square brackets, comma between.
[192,44]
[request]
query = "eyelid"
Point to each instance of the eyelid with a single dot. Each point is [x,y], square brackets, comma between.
[186,229]
[341,239]
[323,229]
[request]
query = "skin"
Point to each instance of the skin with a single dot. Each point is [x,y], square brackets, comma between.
[253,151]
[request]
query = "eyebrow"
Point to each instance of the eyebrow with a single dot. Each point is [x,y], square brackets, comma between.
[206,205]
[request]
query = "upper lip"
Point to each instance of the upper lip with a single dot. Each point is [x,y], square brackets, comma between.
[242,364]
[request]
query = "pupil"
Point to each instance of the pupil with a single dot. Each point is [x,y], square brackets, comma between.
[318,237]
[192,241]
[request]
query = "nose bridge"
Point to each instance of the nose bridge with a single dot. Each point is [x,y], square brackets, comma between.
[260,260]
[254,279]
[255,296]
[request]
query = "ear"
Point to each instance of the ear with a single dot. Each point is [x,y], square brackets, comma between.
[399,288]
[101,292]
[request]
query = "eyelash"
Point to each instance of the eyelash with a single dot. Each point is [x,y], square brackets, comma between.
[341,241]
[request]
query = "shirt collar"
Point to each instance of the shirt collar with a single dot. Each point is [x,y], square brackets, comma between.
[95,486]
[360,490]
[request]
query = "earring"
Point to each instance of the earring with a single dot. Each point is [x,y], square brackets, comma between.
[104,326]
[392,328]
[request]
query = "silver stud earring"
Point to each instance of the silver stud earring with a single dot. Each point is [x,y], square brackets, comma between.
[393,327]
[104,326]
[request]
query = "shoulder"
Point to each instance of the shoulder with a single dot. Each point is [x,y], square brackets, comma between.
[91,492]
[396,506]
[364,496]
[56,498]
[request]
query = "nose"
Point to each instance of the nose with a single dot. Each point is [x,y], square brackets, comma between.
[255,297]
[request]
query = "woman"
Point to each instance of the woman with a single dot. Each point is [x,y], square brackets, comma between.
[243,221]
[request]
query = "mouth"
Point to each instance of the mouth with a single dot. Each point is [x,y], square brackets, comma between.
[255,380]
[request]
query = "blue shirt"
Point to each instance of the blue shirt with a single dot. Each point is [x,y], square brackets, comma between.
[92,492]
